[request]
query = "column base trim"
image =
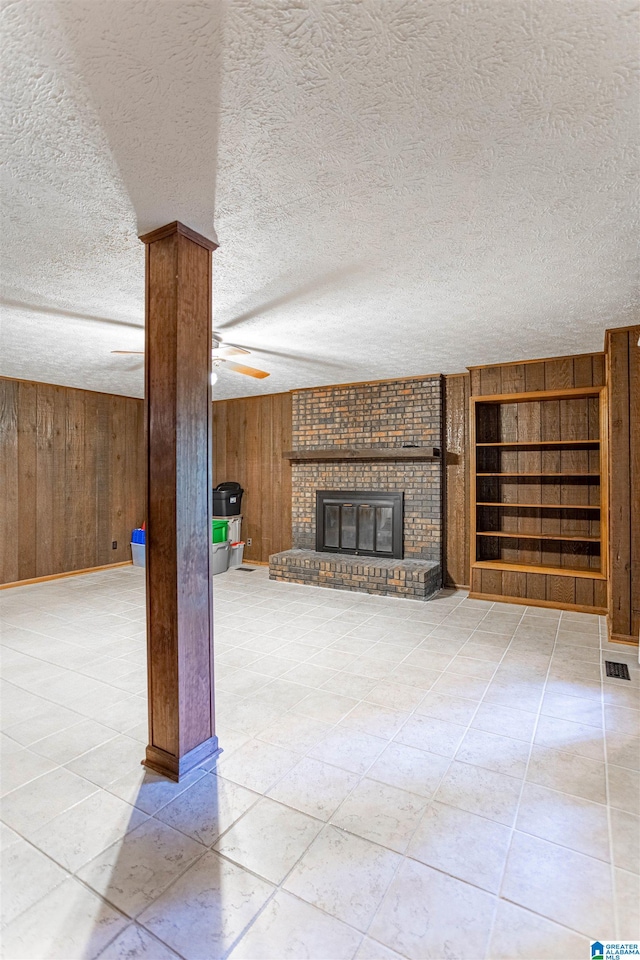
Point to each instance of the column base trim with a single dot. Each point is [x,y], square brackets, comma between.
[174,767]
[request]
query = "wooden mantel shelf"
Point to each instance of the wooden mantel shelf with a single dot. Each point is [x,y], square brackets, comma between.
[369,453]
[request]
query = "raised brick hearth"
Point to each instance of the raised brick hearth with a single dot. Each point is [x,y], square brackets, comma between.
[415,579]
[367,416]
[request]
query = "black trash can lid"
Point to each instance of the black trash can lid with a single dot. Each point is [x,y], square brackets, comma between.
[229,485]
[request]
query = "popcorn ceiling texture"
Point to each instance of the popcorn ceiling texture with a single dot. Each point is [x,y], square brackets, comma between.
[398,188]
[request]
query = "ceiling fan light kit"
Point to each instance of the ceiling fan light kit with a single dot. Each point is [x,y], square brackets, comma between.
[219,354]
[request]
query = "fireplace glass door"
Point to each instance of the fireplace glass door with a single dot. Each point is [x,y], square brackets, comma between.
[367,523]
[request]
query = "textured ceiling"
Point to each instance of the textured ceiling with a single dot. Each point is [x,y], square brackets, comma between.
[398,186]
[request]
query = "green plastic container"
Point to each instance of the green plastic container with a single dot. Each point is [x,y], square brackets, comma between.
[219,531]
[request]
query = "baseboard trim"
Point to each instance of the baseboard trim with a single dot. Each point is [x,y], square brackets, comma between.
[529,602]
[623,638]
[68,573]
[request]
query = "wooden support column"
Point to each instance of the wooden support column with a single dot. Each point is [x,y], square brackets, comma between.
[178,556]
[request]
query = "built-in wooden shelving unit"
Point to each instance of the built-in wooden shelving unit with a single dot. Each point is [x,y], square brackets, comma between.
[539,487]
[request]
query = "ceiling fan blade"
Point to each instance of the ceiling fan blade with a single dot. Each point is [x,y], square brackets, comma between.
[129,352]
[227,350]
[247,371]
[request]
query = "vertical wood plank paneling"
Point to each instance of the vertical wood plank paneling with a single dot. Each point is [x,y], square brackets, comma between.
[619,493]
[634,477]
[60,532]
[103,478]
[456,552]
[27,491]
[90,481]
[623,378]
[74,480]
[250,435]
[45,479]
[56,453]
[9,481]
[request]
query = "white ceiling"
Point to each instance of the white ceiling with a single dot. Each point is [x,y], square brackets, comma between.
[398,186]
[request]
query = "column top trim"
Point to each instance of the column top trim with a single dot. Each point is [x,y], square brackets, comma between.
[180,228]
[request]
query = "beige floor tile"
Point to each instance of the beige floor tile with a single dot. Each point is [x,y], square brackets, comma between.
[269,839]
[68,744]
[570,737]
[435,736]
[350,685]
[505,721]
[207,808]
[627,887]
[458,685]
[398,696]
[519,934]
[576,709]
[452,709]
[566,820]
[348,748]
[150,791]
[502,754]
[83,831]
[568,773]
[109,761]
[560,884]
[281,694]
[624,751]
[69,922]
[462,844]
[295,732]
[373,950]
[21,766]
[624,789]
[489,794]
[325,706]
[27,876]
[380,813]
[344,875]
[625,839]
[409,769]
[621,720]
[133,872]
[288,929]
[205,911]
[314,787]
[256,765]
[375,720]
[428,914]
[36,803]
[135,943]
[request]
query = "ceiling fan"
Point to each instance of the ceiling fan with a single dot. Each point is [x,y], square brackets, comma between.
[220,353]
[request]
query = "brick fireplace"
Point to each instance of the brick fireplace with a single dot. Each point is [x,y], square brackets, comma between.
[371,437]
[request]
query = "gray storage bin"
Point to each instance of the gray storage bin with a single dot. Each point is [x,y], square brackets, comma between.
[220,562]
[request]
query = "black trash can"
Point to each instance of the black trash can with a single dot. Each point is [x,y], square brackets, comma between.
[227,499]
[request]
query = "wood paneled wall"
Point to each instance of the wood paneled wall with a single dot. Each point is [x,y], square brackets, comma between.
[72,478]
[456,432]
[623,375]
[250,435]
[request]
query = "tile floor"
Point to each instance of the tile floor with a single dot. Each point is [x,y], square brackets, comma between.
[399,779]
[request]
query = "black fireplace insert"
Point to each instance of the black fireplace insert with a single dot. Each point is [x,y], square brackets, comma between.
[360,522]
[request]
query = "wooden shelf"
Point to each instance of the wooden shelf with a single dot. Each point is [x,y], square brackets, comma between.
[540,506]
[591,573]
[548,415]
[538,475]
[534,536]
[543,443]
[368,453]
